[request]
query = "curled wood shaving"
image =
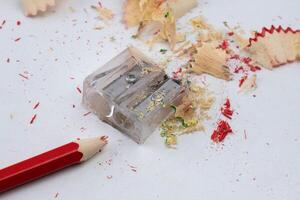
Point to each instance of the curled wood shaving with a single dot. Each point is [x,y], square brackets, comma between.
[137,11]
[132,12]
[275,46]
[209,54]
[32,7]
[210,60]
[161,15]
[206,34]
[181,7]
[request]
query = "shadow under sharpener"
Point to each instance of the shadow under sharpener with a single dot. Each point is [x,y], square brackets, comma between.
[132,94]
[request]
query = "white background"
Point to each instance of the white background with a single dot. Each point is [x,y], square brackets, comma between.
[57,46]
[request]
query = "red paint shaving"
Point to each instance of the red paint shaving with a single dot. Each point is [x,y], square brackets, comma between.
[235,56]
[177,73]
[36,105]
[224,45]
[247,61]
[242,80]
[230,33]
[223,129]
[252,67]
[226,109]
[18,23]
[78,89]
[270,31]
[239,69]
[33,119]
[87,113]
[16,40]
[23,76]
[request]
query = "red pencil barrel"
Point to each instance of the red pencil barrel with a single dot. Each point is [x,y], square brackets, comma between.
[39,166]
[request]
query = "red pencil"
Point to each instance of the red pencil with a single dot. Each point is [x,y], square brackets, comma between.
[50,161]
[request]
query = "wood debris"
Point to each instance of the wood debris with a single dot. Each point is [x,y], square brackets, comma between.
[32,7]
[210,60]
[237,34]
[199,22]
[156,17]
[275,46]
[249,84]
[189,116]
[104,13]
[180,37]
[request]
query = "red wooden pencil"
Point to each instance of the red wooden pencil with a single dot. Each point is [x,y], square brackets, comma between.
[50,161]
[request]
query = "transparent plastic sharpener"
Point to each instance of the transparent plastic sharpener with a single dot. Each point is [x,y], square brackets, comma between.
[132,94]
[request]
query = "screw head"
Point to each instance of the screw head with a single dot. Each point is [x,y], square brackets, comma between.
[131,78]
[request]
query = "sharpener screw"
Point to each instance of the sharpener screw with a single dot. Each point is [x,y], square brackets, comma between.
[131,78]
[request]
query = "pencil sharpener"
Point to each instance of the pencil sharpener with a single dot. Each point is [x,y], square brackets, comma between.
[132,94]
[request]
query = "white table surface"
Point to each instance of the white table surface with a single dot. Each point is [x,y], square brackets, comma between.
[57,46]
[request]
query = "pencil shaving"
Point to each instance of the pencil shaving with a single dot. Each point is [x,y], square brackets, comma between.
[249,84]
[210,36]
[180,37]
[199,22]
[160,15]
[136,11]
[210,60]
[133,12]
[237,35]
[275,46]
[33,7]
[240,40]
[189,116]
[181,7]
